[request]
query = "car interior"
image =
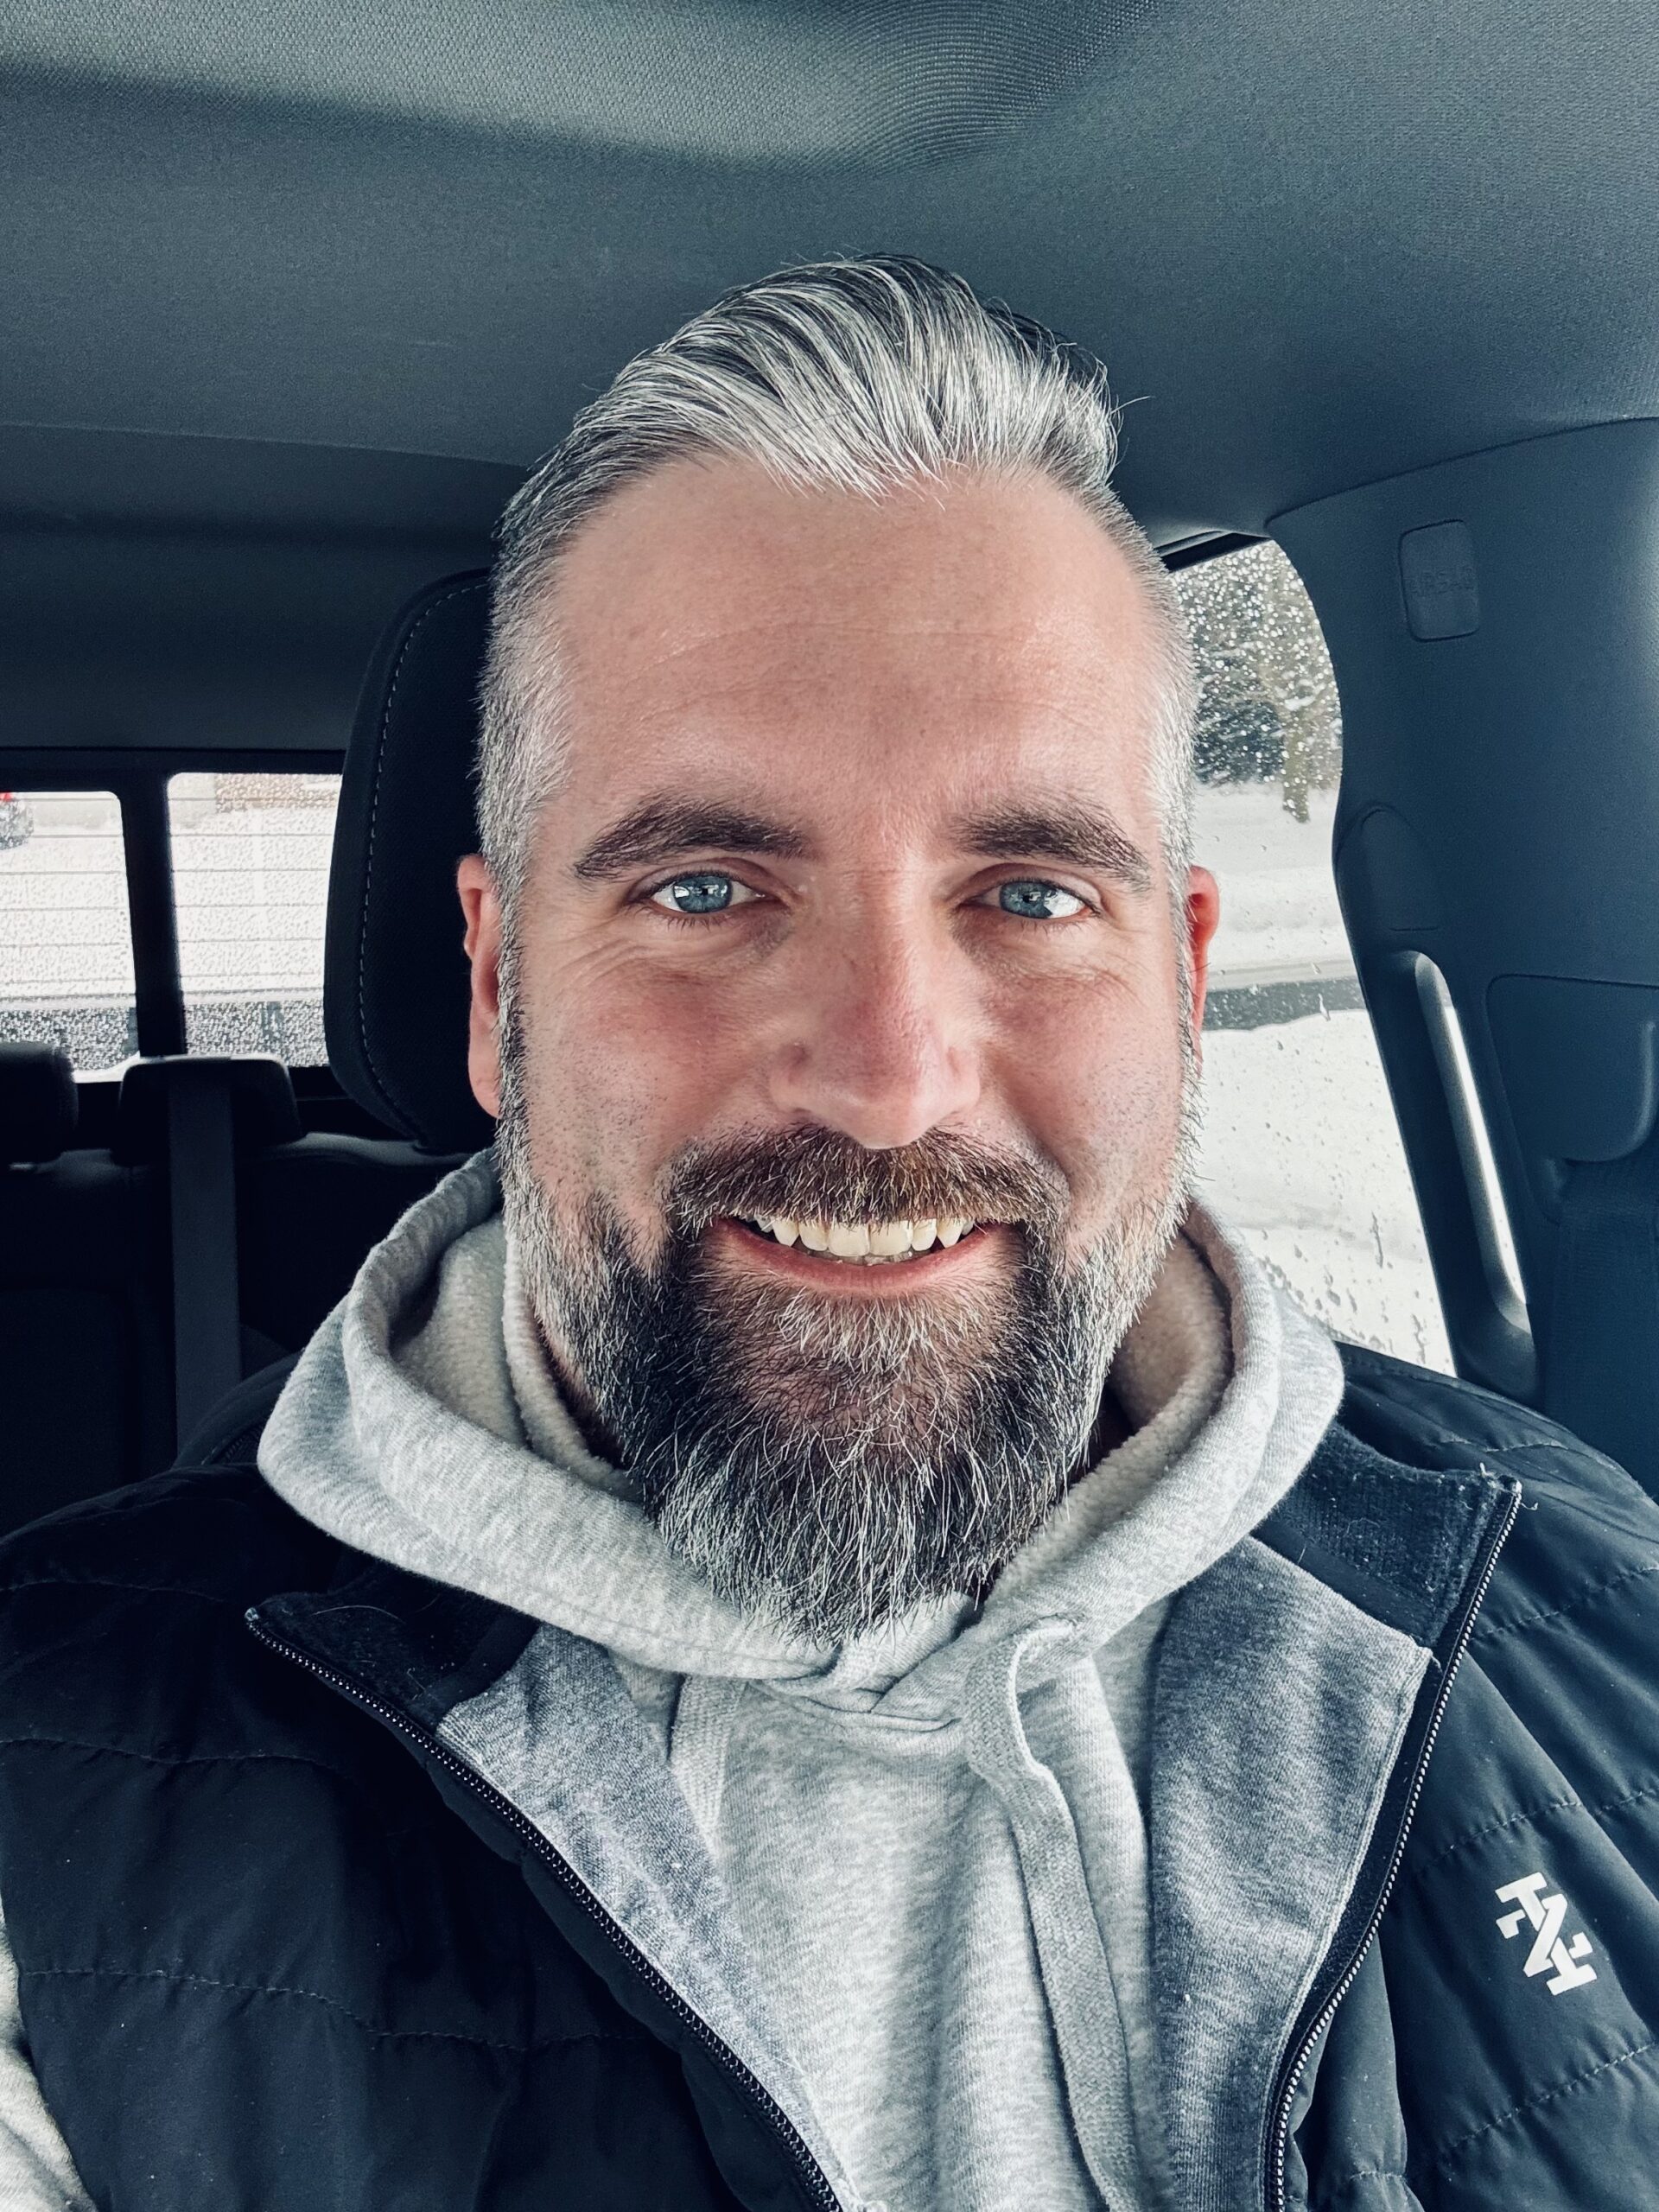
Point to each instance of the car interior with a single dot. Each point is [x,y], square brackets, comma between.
[293,298]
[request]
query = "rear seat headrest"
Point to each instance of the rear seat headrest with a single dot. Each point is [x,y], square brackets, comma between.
[262,1107]
[38,1105]
[396,989]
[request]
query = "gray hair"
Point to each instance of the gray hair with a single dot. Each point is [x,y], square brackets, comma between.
[855,374]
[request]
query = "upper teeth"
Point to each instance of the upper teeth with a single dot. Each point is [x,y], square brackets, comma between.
[862,1240]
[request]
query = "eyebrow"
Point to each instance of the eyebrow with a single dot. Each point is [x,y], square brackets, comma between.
[1075,831]
[661,827]
[668,824]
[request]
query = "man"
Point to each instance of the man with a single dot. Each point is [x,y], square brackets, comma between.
[815,1632]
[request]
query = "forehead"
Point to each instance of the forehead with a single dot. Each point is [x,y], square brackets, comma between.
[987,625]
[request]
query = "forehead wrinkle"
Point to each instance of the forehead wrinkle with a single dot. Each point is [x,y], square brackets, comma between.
[1024,711]
[649,652]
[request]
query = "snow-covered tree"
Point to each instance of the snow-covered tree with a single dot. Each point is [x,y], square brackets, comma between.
[1268,710]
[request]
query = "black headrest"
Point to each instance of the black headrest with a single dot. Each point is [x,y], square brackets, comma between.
[395,992]
[38,1105]
[259,1087]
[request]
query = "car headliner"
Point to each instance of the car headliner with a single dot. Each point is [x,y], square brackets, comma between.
[342,270]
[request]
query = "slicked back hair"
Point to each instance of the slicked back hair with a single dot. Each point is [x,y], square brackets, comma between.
[859,375]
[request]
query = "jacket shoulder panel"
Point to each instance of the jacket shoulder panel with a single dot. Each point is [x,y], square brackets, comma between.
[209,1532]
[122,1627]
[1586,1525]
[1425,1419]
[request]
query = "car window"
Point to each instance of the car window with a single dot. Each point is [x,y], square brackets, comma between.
[66,947]
[1301,1148]
[251,886]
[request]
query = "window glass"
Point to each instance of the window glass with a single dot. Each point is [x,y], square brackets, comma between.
[1302,1152]
[66,942]
[250,882]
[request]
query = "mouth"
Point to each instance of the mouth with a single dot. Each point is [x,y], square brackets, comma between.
[876,1273]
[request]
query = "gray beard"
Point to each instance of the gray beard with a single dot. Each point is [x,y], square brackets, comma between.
[827,1462]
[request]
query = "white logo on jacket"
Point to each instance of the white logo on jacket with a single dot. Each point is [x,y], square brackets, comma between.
[1547,1915]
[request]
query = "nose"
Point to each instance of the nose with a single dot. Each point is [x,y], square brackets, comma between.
[880,1043]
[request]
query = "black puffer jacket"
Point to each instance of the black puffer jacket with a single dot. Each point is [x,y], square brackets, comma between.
[279,1948]
[1521,2085]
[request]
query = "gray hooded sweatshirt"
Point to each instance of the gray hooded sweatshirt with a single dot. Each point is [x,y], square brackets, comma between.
[906,1879]
[931,1838]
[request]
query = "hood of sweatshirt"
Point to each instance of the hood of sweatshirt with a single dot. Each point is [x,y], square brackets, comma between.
[423,1426]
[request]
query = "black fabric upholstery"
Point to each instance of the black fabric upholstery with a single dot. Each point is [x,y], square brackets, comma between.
[86,1350]
[230,1431]
[86,1335]
[307,1213]
[395,993]
[260,1088]
[38,1107]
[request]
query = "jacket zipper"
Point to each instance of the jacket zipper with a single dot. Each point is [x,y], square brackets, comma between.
[812,2176]
[1280,2136]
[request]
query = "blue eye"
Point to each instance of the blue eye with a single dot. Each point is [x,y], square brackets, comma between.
[704,894]
[707,894]
[1028,885]
[697,897]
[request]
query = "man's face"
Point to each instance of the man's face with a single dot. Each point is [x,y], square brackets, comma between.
[851,909]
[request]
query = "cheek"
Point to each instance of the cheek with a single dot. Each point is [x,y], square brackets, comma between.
[657,1052]
[619,1074]
[1097,1082]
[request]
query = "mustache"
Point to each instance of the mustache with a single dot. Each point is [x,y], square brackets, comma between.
[821,1174]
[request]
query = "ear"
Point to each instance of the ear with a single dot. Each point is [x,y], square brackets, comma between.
[480,904]
[1202,919]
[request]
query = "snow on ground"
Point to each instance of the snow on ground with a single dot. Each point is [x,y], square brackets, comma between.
[1302,1155]
[1302,1152]
[1278,911]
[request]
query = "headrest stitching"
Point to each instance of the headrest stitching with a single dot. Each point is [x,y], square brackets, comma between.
[413,1119]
